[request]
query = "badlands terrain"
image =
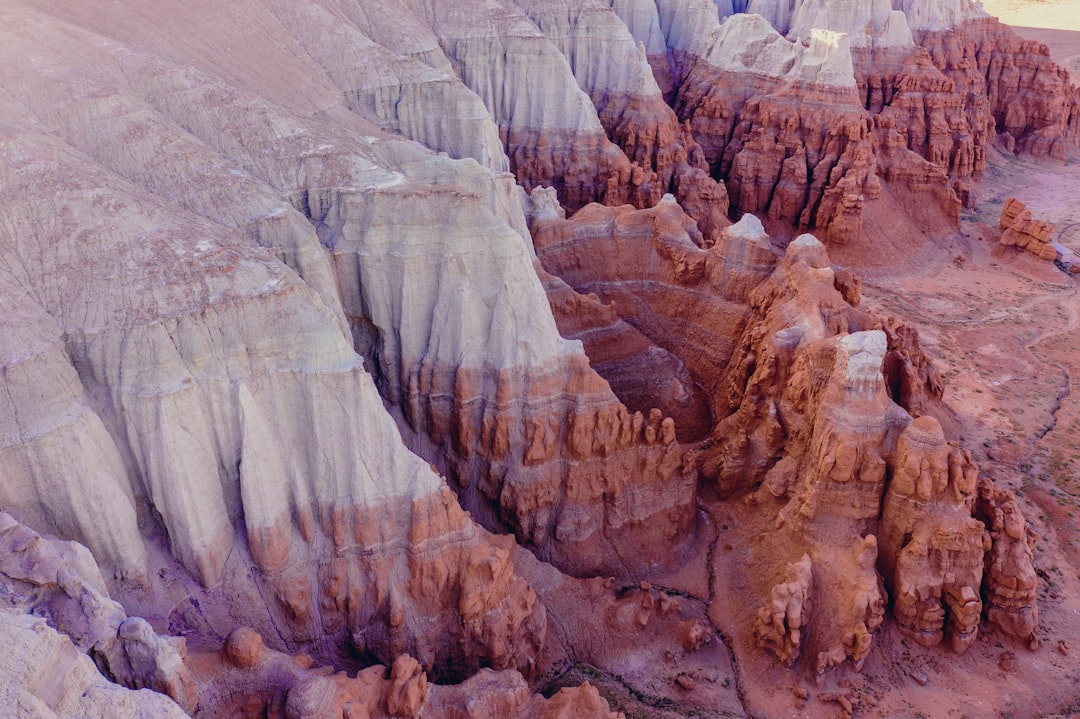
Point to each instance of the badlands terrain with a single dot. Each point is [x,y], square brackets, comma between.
[562,358]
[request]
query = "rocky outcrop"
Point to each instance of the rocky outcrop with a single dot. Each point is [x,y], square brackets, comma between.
[927,526]
[778,628]
[822,113]
[787,128]
[49,580]
[531,436]
[614,70]
[653,269]
[874,499]
[189,391]
[1010,583]
[1019,230]
[1026,94]
[247,679]
[42,674]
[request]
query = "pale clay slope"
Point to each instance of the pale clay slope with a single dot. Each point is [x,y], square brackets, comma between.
[180,368]
[789,15]
[748,43]
[221,357]
[699,26]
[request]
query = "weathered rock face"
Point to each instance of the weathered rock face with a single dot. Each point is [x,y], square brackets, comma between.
[1019,230]
[610,66]
[531,436]
[787,128]
[1009,581]
[246,679]
[821,113]
[932,548]
[1026,94]
[875,501]
[651,267]
[189,391]
[42,674]
[48,580]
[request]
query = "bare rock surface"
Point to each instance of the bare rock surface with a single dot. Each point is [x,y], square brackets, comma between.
[1018,229]
[348,349]
[44,675]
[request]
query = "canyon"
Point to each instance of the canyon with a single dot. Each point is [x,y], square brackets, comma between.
[565,358]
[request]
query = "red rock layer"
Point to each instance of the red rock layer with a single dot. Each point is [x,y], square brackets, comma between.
[807,156]
[949,128]
[931,546]
[1024,92]
[641,374]
[606,62]
[582,167]
[1009,583]
[650,268]
[862,488]
[1019,230]
[443,591]
[588,485]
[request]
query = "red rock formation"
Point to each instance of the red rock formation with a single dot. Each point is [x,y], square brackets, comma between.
[1019,230]
[605,61]
[1025,93]
[914,382]
[927,526]
[817,427]
[650,267]
[808,155]
[779,623]
[246,679]
[1009,583]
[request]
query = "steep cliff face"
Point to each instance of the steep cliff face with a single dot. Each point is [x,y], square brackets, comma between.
[651,267]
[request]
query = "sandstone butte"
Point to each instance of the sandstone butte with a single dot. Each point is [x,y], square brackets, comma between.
[458,359]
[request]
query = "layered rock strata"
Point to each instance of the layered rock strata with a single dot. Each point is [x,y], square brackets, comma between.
[932,547]
[614,71]
[214,386]
[651,267]
[1018,229]
[787,129]
[214,395]
[822,113]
